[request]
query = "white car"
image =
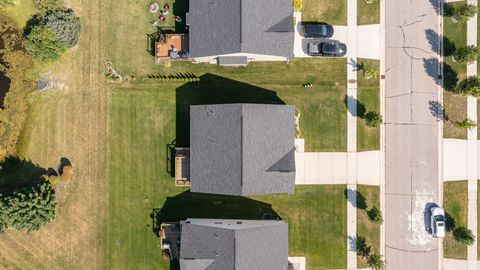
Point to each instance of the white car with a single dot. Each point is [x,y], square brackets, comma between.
[437,222]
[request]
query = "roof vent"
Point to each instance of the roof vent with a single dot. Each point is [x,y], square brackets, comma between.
[218,222]
[239,222]
[213,4]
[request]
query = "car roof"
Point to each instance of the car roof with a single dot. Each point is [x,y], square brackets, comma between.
[437,211]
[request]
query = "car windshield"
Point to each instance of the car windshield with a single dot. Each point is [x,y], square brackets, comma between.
[439,218]
[328,47]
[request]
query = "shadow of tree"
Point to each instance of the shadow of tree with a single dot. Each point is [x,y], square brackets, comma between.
[436,109]
[213,89]
[434,40]
[360,110]
[199,205]
[436,4]
[360,202]
[432,68]
[449,222]
[17,173]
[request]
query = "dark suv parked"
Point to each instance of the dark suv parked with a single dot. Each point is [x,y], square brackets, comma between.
[317,30]
[327,47]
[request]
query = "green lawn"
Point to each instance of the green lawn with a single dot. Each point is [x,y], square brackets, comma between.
[327,11]
[365,227]
[368,95]
[323,120]
[368,13]
[455,204]
[455,107]
[142,123]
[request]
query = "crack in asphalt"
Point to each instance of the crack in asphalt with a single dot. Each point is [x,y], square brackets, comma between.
[408,250]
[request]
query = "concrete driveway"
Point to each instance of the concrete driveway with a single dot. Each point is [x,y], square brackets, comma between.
[412,135]
[368,36]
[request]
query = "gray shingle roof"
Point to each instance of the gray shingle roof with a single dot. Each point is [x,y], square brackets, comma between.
[219,27]
[210,244]
[242,149]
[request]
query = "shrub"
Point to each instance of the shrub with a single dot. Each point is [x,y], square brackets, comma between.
[463,235]
[466,54]
[44,45]
[463,10]
[375,215]
[465,124]
[29,208]
[373,119]
[363,249]
[468,86]
[6,3]
[46,6]
[375,262]
[65,25]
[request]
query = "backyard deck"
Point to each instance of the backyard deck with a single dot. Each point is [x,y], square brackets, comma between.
[170,46]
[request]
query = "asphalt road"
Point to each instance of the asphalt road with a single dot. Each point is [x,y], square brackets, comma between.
[411,132]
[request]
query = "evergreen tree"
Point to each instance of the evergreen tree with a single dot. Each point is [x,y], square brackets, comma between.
[65,25]
[44,44]
[29,208]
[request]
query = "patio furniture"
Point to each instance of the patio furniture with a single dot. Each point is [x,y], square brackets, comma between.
[154,7]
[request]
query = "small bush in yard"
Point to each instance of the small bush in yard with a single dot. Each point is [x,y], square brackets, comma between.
[465,124]
[375,215]
[375,262]
[373,119]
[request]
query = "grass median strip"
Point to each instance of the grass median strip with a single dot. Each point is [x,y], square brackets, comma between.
[365,227]
[455,203]
[368,96]
[455,106]
[368,13]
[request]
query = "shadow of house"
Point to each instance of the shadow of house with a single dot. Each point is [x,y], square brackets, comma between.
[199,205]
[213,89]
[180,9]
[17,173]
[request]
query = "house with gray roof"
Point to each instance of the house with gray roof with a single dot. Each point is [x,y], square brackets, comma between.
[224,244]
[242,149]
[233,32]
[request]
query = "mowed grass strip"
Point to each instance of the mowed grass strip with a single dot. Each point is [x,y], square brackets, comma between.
[455,203]
[455,36]
[365,227]
[142,123]
[328,11]
[368,96]
[368,13]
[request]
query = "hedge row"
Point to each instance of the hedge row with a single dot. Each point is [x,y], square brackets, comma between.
[179,77]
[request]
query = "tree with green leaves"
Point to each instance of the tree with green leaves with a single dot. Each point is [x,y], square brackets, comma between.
[46,6]
[466,54]
[44,44]
[29,208]
[373,119]
[462,11]
[375,215]
[465,124]
[7,3]
[468,86]
[65,25]
[463,235]
[375,262]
